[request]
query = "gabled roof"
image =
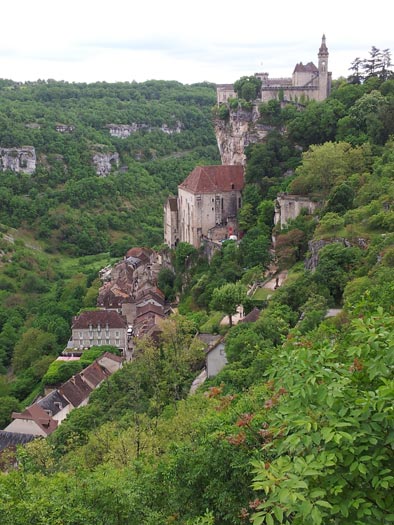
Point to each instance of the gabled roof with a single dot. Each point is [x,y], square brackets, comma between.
[94,374]
[11,439]
[75,390]
[96,317]
[307,68]
[53,402]
[39,416]
[214,179]
[149,308]
[144,254]
[108,355]
[152,292]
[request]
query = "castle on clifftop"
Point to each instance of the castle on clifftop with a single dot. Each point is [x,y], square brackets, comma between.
[307,83]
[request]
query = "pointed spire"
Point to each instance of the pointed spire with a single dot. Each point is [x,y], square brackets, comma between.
[323,48]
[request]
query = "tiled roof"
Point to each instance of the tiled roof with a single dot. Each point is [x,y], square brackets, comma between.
[114,357]
[214,179]
[96,317]
[149,307]
[140,253]
[54,402]
[11,439]
[94,374]
[209,339]
[147,293]
[75,390]
[39,416]
[307,68]
[252,316]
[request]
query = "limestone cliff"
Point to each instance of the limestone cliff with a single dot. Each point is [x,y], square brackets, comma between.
[104,162]
[123,131]
[19,160]
[315,246]
[236,132]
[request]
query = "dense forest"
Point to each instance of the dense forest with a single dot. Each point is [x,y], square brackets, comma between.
[298,428]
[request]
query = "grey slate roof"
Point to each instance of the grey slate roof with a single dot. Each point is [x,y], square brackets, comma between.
[54,402]
[11,439]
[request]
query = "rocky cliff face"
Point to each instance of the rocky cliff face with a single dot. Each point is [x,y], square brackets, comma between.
[104,162]
[235,133]
[314,248]
[123,131]
[19,160]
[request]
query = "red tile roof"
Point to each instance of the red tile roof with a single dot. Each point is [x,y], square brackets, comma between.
[94,374]
[75,390]
[144,254]
[214,179]
[96,317]
[149,308]
[39,416]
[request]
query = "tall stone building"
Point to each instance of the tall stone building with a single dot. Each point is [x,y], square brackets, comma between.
[308,82]
[206,207]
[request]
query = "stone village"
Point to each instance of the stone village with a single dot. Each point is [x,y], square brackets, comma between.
[129,303]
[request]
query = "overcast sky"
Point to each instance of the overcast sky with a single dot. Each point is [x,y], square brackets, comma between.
[213,40]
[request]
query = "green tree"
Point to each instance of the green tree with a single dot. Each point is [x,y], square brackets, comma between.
[248,88]
[227,298]
[33,344]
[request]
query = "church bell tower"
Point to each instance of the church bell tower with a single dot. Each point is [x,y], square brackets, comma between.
[324,75]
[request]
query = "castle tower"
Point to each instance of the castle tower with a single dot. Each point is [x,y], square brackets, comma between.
[324,75]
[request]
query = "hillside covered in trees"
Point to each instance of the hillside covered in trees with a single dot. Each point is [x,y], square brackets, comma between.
[298,428]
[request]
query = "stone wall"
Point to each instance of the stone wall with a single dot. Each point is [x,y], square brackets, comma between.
[290,206]
[19,160]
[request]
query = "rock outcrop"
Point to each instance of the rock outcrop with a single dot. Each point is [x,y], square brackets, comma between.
[315,246]
[104,162]
[123,131]
[64,128]
[235,133]
[19,160]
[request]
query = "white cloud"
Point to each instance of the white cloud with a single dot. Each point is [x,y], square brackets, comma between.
[87,40]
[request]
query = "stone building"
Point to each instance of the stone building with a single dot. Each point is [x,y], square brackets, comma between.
[99,327]
[288,207]
[206,207]
[308,82]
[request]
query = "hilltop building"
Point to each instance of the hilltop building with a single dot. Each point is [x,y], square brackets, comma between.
[206,207]
[308,82]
